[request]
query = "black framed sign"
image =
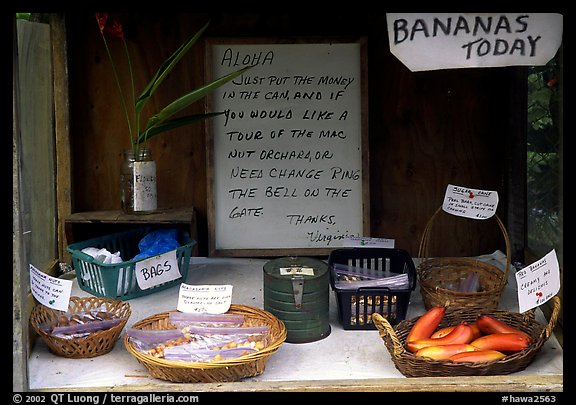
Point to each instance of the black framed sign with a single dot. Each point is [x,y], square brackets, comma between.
[288,159]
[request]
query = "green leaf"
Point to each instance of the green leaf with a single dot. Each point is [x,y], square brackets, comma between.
[175,123]
[190,98]
[165,68]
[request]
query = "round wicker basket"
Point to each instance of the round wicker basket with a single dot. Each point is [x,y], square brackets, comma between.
[416,366]
[96,343]
[438,275]
[228,370]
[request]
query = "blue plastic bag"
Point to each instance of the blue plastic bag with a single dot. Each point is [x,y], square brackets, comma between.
[157,242]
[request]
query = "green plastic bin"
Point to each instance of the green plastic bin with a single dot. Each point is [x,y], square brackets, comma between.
[118,281]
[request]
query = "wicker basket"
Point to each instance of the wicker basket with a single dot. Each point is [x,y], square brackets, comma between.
[437,275]
[218,371]
[96,343]
[416,366]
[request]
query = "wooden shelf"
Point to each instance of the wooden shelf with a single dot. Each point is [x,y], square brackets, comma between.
[90,224]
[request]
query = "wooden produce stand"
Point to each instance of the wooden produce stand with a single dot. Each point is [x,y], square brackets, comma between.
[426,130]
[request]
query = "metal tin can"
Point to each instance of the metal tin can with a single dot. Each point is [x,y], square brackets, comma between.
[296,291]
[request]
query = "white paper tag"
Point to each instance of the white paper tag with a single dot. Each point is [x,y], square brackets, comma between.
[157,270]
[212,299]
[470,202]
[293,270]
[145,198]
[359,241]
[49,291]
[538,282]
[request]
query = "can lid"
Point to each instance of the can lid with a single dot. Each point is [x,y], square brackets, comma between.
[290,267]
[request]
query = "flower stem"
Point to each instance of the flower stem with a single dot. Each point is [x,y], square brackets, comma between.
[122,99]
[134,140]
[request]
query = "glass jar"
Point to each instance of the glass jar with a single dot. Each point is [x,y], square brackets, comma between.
[138,182]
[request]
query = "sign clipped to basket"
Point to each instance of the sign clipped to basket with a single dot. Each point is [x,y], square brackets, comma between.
[212,299]
[157,270]
[462,281]
[470,203]
[49,291]
[538,282]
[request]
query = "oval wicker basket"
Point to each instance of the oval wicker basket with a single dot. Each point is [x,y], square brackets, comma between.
[96,343]
[416,366]
[228,370]
[437,274]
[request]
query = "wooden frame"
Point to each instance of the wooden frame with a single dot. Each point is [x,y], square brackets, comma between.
[250,246]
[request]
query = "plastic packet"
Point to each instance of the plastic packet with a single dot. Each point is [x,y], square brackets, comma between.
[81,324]
[146,340]
[470,284]
[183,353]
[248,331]
[103,255]
[183,319]
[156,243]
[396,282]
[221,336]
[353,273]
[155,342]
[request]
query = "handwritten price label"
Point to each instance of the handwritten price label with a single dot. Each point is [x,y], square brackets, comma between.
[538,282]
[49,291]
[213,299]
[469,202]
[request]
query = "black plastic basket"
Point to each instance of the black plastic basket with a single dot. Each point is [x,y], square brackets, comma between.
[355,307]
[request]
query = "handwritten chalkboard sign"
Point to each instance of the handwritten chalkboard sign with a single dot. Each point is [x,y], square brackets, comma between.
[288,161]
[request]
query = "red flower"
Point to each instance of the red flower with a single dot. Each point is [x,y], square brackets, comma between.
[551,83]
[102,18]
[116,30]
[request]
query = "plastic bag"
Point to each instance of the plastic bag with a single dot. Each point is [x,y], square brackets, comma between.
[157,242]
[207,337]
[183,353]
[155,342]
[81,324]
[103,255]
[146,340]
[183,319]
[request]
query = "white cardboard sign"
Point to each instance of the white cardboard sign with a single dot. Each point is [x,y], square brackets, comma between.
[538,282]
[157,270]
[430,41]
[469,202]
[212,299]
[49,291]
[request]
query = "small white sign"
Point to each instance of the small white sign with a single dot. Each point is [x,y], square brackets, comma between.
[49,291]
[538,282]
[212,299]
[430,41]
[359,241]
[157,270]
[295,270]
[470,202]
[145,198]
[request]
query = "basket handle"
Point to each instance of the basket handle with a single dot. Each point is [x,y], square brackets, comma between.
[424,242]
[553,317]
[386,329]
